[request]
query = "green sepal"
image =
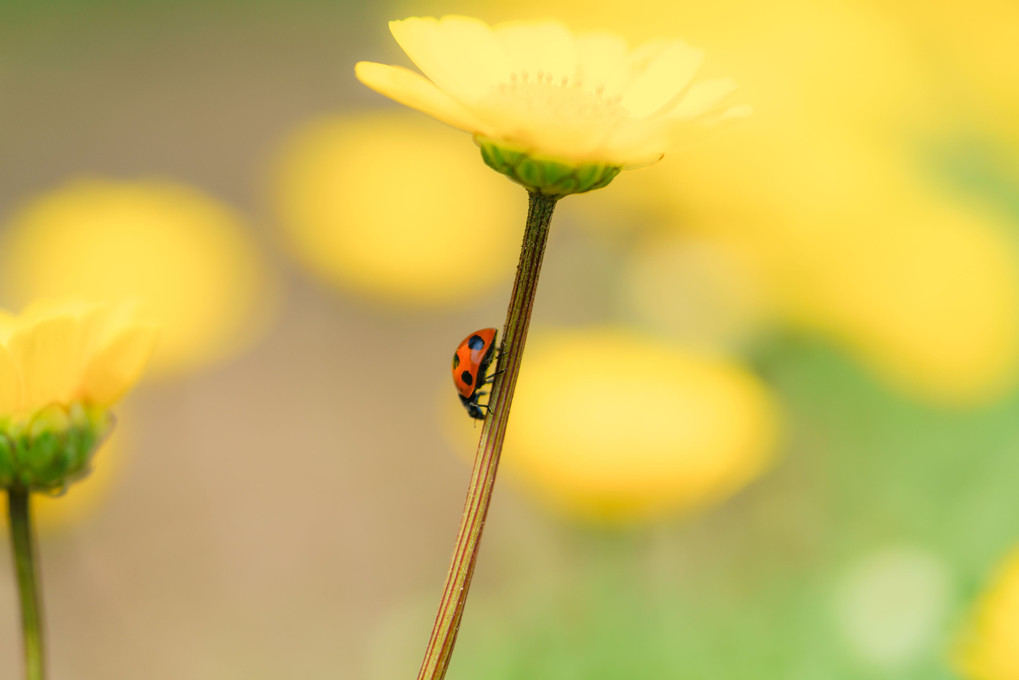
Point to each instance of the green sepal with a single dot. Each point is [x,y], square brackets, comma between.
[544,175]
[52,447]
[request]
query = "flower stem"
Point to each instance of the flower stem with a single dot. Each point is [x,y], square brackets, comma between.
[479,493]
[23,548]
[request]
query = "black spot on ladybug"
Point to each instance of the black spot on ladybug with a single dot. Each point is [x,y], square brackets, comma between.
[456,362]
[475,342]
[466,377]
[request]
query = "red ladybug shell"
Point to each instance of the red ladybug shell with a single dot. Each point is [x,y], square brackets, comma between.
[471,360]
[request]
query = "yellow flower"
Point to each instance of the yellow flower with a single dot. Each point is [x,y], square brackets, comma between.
[990,649]
[61,368]
[914,282]
[397,251]
[185,257]
[557,112]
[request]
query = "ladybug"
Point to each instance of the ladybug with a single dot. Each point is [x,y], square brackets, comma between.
[470,363]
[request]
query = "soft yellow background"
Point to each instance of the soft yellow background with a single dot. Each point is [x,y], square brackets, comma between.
[824,297]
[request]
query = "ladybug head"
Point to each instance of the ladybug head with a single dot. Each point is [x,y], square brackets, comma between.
[474,409]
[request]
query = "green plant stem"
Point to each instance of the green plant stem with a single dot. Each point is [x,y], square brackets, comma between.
[479,493]
[22,545]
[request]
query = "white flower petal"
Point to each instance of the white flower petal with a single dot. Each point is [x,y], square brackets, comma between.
[701,97]
[545,47]
[459,54]
[663,80]
[418,92]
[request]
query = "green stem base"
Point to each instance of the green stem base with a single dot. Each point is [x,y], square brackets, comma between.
[22,545]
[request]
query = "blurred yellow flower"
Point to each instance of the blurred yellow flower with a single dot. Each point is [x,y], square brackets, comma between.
[557,112]
[976,50]
[412,229]
[186,258]
[61,367]
[989,649]
[616,427]
[920,287]
[930,302]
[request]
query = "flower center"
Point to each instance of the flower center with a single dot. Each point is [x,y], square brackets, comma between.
[548,99]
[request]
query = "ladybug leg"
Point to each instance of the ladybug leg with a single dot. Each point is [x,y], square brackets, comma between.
[491,378]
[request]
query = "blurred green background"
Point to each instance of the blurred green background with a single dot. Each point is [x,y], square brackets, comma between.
[831,490]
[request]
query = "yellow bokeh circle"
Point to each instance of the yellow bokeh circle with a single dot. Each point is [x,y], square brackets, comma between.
[397,208]
[185,257]
[930,302]
[616,427]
